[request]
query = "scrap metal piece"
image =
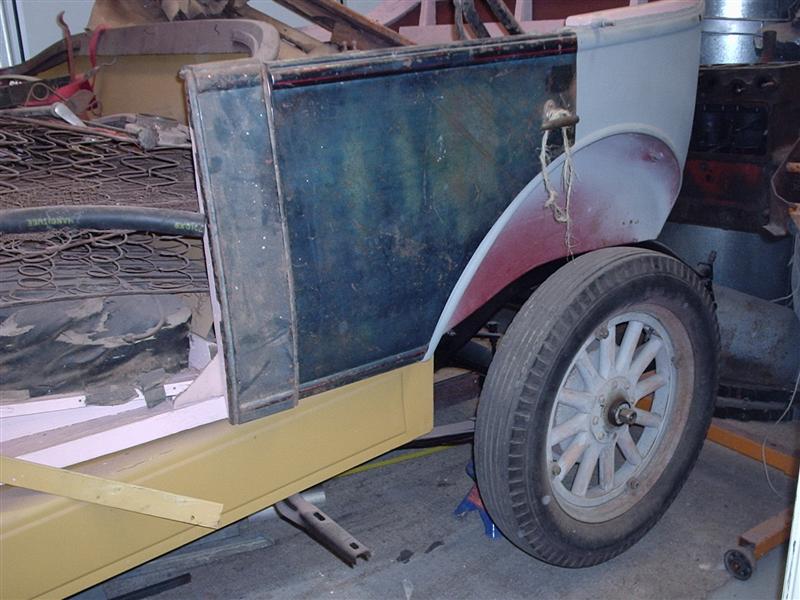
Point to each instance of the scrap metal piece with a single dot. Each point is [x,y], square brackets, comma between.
[57,109]
[560,121]
[322,528]
[152,131]
[152,386]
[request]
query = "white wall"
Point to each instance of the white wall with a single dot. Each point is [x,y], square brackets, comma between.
[38,21]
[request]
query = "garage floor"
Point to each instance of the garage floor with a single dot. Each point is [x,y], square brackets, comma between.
[404,511]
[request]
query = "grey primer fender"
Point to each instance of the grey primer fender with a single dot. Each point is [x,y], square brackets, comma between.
[636,82]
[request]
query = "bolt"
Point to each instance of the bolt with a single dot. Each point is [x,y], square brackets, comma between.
[601,435]
[601,333]
[626,416]
[555,470]
[633,483]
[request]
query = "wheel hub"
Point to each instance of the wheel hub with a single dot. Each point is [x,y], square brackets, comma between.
[612,410]
[620,412]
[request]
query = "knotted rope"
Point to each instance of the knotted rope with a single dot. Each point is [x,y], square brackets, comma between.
[560,213]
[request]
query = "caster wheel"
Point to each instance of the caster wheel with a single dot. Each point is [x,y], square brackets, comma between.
[740,563]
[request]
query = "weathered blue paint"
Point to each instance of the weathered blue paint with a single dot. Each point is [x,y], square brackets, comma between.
[248,247]
[334,258]
[390,182]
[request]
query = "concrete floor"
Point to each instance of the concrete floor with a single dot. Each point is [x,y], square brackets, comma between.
[404,513]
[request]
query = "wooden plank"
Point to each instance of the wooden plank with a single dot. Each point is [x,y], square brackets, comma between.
[346,25]
[106,492]
[85,441]
[302,40]
[25,425]
[441,34]
[727,435]
[389,12]
[768,534]
[46,413]
[43,404]
[427,15]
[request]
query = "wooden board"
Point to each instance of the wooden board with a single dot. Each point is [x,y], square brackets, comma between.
[106,492]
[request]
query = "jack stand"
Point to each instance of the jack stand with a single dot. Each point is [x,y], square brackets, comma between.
[472,501]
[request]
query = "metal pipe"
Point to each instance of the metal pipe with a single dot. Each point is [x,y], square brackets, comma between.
[760,341]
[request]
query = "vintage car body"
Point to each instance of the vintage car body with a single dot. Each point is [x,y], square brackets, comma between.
[349,222]
[359,207]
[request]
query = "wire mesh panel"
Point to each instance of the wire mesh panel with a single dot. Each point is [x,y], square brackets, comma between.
[65,263]
[46,163]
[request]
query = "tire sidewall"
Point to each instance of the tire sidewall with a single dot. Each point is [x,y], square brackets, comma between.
[540,520]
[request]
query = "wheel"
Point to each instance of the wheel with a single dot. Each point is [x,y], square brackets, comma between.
[740,563]
[596,405]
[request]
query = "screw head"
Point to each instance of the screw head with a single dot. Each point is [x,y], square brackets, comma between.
[555,470]
[633,483]
[601,435]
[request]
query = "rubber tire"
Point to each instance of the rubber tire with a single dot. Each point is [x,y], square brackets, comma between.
[531,361]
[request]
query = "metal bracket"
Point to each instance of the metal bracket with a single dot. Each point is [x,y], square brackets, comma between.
[558,122]
[322,528]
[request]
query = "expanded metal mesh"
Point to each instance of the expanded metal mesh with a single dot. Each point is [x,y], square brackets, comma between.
[45,163]
[64,264]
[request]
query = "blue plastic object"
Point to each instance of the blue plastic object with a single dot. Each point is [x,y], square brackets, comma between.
[472,501]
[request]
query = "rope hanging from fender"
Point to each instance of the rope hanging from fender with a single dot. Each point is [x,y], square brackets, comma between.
[560,213]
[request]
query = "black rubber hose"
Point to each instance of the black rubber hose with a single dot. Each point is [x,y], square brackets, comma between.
[155,220]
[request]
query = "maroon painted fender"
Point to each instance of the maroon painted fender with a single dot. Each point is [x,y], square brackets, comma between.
[624,188]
